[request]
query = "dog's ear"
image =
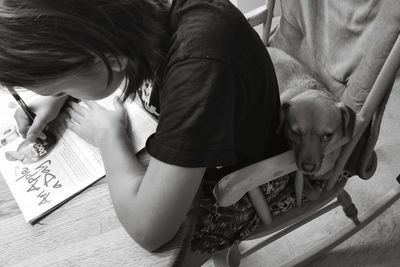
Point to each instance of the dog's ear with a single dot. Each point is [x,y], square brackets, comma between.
[348,119]
[282,116]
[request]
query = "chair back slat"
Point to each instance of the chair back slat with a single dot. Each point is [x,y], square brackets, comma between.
[379,92]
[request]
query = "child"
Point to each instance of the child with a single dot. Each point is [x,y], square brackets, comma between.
[213,91]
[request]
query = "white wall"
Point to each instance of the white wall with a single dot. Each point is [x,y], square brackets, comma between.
[246,5]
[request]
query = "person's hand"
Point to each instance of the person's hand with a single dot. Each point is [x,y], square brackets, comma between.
[94,123]
[46,109]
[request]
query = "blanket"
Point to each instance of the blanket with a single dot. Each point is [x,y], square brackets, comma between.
[344,44]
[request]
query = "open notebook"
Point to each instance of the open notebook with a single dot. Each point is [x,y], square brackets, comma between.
[43,175]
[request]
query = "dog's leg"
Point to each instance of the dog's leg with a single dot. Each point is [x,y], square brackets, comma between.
[299,186]
[312,193]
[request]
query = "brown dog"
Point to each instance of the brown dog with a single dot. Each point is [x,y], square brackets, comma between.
[313,121]
[311,117]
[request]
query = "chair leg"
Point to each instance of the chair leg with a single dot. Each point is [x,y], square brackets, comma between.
[234,256]
[228,258]
[299,187]
[219,260]
[349,208]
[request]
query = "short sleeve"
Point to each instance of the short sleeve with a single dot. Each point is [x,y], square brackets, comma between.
[198,109]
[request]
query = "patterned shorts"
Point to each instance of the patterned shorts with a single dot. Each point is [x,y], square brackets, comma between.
[218,228]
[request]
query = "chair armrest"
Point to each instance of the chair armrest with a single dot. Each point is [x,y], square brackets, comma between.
[234,185]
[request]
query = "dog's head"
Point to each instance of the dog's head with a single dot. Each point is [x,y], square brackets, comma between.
[313,121]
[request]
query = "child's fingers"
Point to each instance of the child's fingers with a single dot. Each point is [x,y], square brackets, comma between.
[72,114]
[77,108]
[22,121]
[36,129]
[71,125]
[91,104]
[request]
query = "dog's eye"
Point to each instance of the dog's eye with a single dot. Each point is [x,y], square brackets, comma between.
[327,137]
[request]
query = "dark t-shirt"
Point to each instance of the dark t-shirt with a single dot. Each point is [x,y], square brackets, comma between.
[218,98]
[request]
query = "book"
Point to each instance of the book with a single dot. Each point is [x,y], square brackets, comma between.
[46,173]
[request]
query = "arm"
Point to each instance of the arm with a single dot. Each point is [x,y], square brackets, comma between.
[152,204]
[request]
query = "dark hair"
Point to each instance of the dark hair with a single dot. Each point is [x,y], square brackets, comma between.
[39,38]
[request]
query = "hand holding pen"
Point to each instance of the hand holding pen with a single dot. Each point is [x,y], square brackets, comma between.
[23,124]
[33,125]
[31,115]
[47,108]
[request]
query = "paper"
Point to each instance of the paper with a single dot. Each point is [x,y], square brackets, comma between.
[40,178]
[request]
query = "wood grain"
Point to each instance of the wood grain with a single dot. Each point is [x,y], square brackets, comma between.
[84,231]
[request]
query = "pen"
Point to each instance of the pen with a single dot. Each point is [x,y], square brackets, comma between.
[31,115]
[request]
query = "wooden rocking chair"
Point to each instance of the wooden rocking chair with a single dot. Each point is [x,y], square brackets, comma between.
[357,154]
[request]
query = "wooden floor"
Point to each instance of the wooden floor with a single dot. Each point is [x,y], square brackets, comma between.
[378,244]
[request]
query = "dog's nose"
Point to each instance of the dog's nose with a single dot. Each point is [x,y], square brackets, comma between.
[308,167]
